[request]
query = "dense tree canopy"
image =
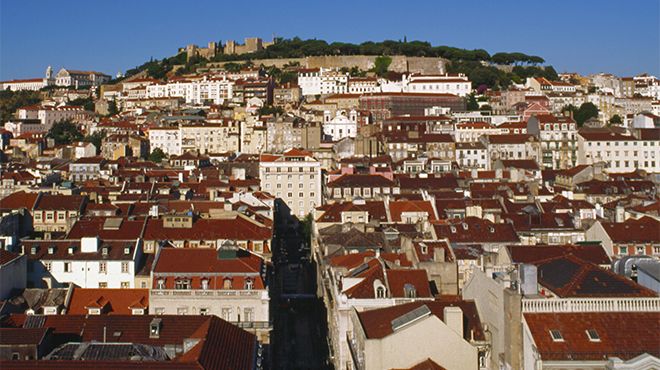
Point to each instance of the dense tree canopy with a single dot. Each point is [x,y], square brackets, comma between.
[65,132]
[157,155]
[10,101]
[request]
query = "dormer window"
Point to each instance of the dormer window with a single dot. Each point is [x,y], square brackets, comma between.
[51,250]
[70,250]
[380,292]
[424,248]
[409,291]
[161,283]
[104,251]
[593,335]
[127,250]
[249,284]
[453,229]
[226,283]
[556,335]
[33,250]
[465,226]
[205,284]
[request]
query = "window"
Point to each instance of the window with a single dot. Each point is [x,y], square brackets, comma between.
[67,267]
[103,268]
[226,314]
[226,284]
[182,311]
[47,265]
[125,285]
[248,314]
[380,292]
[623,250]
[124,267]
[103,284]
[203,311]
[249,284]
[640,250]
[410,291]
[182,284]
[593,335]
[556,336]
[160,284]
[205,284]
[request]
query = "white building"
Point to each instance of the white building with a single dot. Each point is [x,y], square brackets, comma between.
[621,153]
[322,81]
[33,84]
[470,132]
[49,115]
[205,138]
[295,177]
[216,90]
[70,77]
[87,262]
[472,155]
[341,126]
[456,84]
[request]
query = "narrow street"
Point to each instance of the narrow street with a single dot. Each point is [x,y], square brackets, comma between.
[299,337]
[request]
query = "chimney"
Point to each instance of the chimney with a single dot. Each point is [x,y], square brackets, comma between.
[454,319]
[89,244]
[620,214]
[154,328]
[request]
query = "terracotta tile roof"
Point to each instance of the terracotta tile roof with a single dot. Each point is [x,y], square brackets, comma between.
[205,260]
[540,222]
[58,202]
[116,250]
[475,230]
[112,301]
[238,227]
[129,229]
[353,260]
[332,212]
[430,183]
[569,276]
[622,334]
[378,323]
[427,364]
[594,253]
[362,181]
[644,230]
[19,199]
[238,346]
[397,208]
[7,256]
[22,336]
[430,250]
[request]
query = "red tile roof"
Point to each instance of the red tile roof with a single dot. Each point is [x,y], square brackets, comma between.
[622,334]
[19,199]
[7,256]
[172,260]
[397,208]
[112,301]
[378,323]
[476,230]
[644,230]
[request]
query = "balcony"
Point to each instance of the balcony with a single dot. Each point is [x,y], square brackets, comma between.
[557,305]
[209,293]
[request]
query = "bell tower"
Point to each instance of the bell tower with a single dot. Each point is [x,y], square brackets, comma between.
[49,72]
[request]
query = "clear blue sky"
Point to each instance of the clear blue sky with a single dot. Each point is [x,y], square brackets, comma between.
[586,36]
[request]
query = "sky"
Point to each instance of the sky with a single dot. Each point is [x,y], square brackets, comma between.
[585,36]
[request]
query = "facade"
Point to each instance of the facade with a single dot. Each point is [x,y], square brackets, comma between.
[341,126]
[225,282]
[322,81]
[69,77]
[295,177]
[199,91]
[620,152]
[442,84]
[386,105]
[87,262]
[558,136]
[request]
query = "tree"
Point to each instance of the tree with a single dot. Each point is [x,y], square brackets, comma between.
[86,103]
[381,64]
[10,101]
[64,132]
[96,139]
[157,155]
[586,111]
[616,120]
[472,103]
[112,108]
[266,110]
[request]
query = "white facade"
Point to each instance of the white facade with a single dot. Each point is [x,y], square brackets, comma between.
[67,77]
[341,126]
[322,81]
[438,84]
[49,115]
[295,177]
[472,155]
[194,92]
[623,154]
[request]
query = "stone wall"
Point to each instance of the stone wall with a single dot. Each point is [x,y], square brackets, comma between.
[400,63]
